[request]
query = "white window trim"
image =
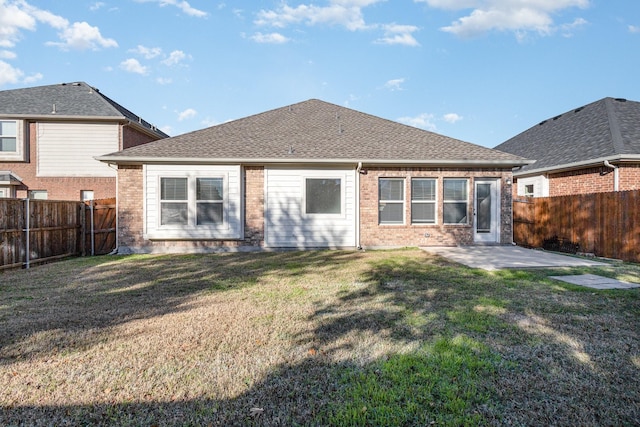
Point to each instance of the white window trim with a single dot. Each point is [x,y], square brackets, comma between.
[445,201]
[343,199]
[19,154]
[433,202]
[403,202]
[192,202]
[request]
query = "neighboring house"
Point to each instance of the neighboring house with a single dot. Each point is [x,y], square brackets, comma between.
[49,136]
[312,174]
[594,148]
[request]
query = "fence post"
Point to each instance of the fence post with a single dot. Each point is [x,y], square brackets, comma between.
[93,237]
[27,225]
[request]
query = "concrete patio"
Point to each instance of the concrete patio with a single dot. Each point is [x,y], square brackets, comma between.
[500,257]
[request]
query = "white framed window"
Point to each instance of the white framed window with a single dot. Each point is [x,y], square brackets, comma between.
[86,195]
[423,200]
[11,140]
[391,201]
[455,201]
[323,196]
[209,201]
[38,194]
[174,201]
[528,190]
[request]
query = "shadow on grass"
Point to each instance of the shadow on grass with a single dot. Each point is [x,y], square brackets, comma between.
[478,348]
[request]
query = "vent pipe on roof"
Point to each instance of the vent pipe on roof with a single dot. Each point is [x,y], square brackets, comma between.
[53,110]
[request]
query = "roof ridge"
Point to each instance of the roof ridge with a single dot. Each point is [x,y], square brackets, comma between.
[614,127]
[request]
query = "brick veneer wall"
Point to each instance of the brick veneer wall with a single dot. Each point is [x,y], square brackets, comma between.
[373,234]
[131,217]
[594,180]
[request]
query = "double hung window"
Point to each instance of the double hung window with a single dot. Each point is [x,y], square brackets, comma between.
[8,136]
[423,201]
[455,201]
[391,201]
[182,204]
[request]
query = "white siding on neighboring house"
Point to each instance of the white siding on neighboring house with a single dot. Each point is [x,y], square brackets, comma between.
[230,228]
[68,149]
[287,224]
[540,185]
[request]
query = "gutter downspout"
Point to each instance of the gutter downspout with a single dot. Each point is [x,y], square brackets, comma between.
[616,175]
[358,171]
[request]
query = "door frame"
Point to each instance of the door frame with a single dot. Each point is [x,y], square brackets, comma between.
[493,236]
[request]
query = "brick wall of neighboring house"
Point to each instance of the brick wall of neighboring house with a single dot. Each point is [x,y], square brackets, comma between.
[629,177]
[58,188]
[373,234]
[592,180]
[131,216]
[131,137]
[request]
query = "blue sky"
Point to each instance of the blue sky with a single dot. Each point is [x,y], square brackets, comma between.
[478,70]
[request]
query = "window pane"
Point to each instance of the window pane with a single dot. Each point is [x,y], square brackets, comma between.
[8,144]
[209,189]
[423,213]
[391,213]
[391,189]
[423,189]
[8,128]
[173,213]
[209,213]
[455,189]
[173,188]
[323,196]
[455,213]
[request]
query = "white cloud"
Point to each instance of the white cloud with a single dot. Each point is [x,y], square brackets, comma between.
[97,5]
[184,6]
[164,81]
[9,74]
[13,20]
[423,121]
[398,34]
[394,84]
[175,57]
[452,118]
[517,16]
[132,65]
[82,36]
[7,54]
[189,113]
[147,52]
[32,78]
[568,29]
[634,29]
[272,38]
[345,13]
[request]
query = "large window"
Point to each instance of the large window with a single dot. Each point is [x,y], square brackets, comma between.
[177,195]
[391,201]
[8,136]
[455,201]
[323,196]
[423,201]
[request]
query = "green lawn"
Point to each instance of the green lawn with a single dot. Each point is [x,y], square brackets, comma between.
[394,338]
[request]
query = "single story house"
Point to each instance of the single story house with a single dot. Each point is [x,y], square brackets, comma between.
[311,175]
[590,149]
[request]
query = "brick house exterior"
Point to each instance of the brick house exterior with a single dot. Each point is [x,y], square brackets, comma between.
[59,130]
[281,167]
[591,149]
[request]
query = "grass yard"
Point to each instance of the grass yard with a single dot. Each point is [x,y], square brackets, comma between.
[394,338]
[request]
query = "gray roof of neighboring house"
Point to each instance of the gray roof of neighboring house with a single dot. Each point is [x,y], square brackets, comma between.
[313,131]
[608,129]
[67,100]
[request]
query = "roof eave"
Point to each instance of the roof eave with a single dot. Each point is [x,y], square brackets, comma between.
[139,160]
[620,158]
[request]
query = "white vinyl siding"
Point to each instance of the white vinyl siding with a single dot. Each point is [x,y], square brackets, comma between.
[199,222]
[287,222]
[540,186]
[68,149]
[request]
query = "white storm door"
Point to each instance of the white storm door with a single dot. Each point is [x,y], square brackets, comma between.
[486,211]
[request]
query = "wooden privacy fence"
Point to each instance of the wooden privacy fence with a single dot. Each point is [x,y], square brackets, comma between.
[34,231]
[605,224]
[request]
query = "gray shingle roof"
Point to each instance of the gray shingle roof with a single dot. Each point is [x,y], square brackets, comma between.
[606,128]
[313,131]
[66,100]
